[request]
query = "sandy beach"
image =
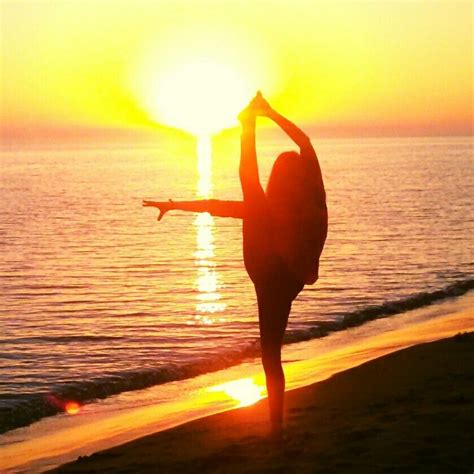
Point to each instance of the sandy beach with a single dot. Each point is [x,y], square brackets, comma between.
[409,411]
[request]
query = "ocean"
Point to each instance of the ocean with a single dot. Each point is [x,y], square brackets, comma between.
[98,298]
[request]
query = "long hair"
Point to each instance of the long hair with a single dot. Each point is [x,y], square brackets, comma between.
[300,222]
[285,180]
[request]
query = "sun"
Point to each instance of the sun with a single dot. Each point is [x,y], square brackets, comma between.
[198,78]
[200,96]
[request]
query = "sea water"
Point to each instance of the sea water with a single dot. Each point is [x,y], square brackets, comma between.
[98,298]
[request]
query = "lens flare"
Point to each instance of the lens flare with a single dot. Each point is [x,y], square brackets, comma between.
[72,408]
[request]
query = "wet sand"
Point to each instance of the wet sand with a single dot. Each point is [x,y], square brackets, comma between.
[409,411]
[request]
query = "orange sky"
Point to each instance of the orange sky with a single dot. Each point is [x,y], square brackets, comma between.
[352,67]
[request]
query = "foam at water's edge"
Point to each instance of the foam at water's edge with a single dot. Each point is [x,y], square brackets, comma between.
[16,412]
[383,310]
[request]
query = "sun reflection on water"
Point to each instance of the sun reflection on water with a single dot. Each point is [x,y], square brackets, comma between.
[204,157]
[207,281]
[244,391]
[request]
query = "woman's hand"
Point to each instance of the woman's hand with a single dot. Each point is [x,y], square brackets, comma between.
[261,106]
[163,206]
[258,106]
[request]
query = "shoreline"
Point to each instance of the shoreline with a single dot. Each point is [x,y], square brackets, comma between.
[37,406]
[408,411]
[116,421]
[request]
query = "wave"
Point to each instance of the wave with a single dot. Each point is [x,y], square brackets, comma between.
[60,339]
[389,308]
[16,412]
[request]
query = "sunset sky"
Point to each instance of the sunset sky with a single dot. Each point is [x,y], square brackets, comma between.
[373,67]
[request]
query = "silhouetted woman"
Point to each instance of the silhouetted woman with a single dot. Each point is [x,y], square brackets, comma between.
[284,230]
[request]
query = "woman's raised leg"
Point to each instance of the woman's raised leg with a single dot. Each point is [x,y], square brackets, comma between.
[252,190]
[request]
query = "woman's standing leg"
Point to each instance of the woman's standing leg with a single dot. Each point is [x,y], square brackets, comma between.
[274,306]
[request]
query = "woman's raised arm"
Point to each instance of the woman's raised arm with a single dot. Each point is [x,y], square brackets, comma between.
[215,207]
[293,131]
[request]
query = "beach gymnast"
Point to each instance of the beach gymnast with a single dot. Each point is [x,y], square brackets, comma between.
[284,231]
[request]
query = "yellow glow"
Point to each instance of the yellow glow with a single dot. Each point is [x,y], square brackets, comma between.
[244,391]
[395,66]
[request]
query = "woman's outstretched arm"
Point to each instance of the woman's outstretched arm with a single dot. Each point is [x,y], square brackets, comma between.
[215,207]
